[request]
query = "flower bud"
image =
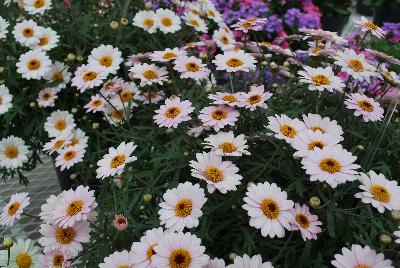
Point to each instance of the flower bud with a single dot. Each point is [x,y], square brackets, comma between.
[273,65]
[120,222]
[7,242]
[32,104]
[314,202]
[169,130]
[360,147]
[232,256]
[74,110]
[264,63]
[124,21]
[185,153]
[148,5]
[395,214]
[147,197]
[71,56]
[114,25]
[95,125]
[1,70]
[73,176]
[385,239]
[141,207]
[286,64]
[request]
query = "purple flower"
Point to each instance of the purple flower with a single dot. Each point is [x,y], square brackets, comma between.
[292,16]
[274,24]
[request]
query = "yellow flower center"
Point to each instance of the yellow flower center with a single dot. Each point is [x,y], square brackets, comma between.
[74,141]
[314,144]
[302,220]
[47,96]
[270,208]
[169,55]
[58,76]
[33,64]
[117,114]
[315,128]
[229,98]
[288,131]
[68,156]
[89,76]
[366,106]
[60,124]
[28,32]
[234,62]
[371,25]
[380,193]
[38,3]
[227,147]
[150,252]
[122,266]
[246,25]
[214,174]
[13,208]
[254,99]
[167,22]
[330,165]
[126,95]
[58,261]
[192,67]
[43,41]
[219,114]
[172,112]
[23,260]
[150,74]
[183,208]
[65,236]
[356,65]
[211,13]
[106,61]
[251,20]
[11,152]
[195,23]
[117,160]
[58,144]
[180,258]
[224,40]
[362,266]
[96,103]
[148,23]
[1,100]
[320,80]
[74,207]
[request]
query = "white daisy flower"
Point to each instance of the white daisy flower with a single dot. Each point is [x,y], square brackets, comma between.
[48,39]
[47,97]
[143,251]
[304,221]
[325,125]
[128,92]
[47,209]
[78,138]
[27,33]
[269,209]
[69,156]
[169,22]
[220,175]
[114,162]
[59,122]
[247,262]
[33,64]
[111,86]
[13,152]
[89,76]
[151,97]
[218,116]
[224,40]
[96,104]
[321,79]
[149,73]
[332,165]
[225,98]
[118,259]
[234,61]
[196,22]
[368,108]
[58,72]
[167,54]
[3,28]
[14,208]
[146,20]
[54,259]
[215,263]
[5,99]
[106,56]
[285,128]
[36,6]
[179,250]
[58,143]
[255,98]
[191,67]
[23,254]
[115,116]
[380,192]
[226,144]
[182,207]
[367,26]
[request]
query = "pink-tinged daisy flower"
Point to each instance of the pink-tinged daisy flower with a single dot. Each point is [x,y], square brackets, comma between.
[22,254]
[55,259]
[78,138]
[332,165]
[182,207]
[251,24]
[285,128]
[96,104]
[196,131]
[5,99]
[89,76]
[151,97]
[367,26]
[167,54]
[111,86]
[269,209]
[67,240]
[74,206]
[360,257]
[327,36]
[255,98]
[59,122]
[383,57]
[149,74]
[118,259]
[315,122]
[57,143]
[321,79]
[368,108]
[147,20]
[143,251]
[107,57]
[220,175]
[304,221]
[47,209]
[225,98]
[215,263]
[13,152]
[120,222]
[14,208]
[116,116]
[137,58]
[48,40]
[58,73]
[173,112]
[378,191]
[218,116]
[225,40]
[191,67]
[179,250]
[115,161]
[47,97]
[196,22]
[249,262]
[234,61]
[69,156]
[226,144]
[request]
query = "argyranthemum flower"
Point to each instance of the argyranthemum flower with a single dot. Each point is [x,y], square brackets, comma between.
[68,240]
[234,61]
[59,122]
[107,57]
[78,138]
[5,99]
[120,222]
[325,125]
[127,93]
[230,99]
[3,27]
[169,22]
[13,152]
[111,86]
[225,40]
[215,263]
[89,76]
[115,116]
[47,97]
[182,207]
[380,192]
[69,156]
[247,262]
[383,57]
[179,250]
[220,175]
[284,127]
[268,208]
[33,64]
[58,72]
[58,143]
[368,108]
[36,6]
[23,254]
[14,208]
[255,98]
[167,54]
[321,79]
[143,251]
[191,67]
[253,24]
[367,26]
[304,221]
[196,22]
[149,73]
[355,65]
[47,209]
[47,40]
[360,257]
[27,33]
[308,140]
[151,97]
[54,259]
[114,162]
[95,104]
[173,112]
[218,116]
[333,165]
[118,259]
[226,144]
[147,20]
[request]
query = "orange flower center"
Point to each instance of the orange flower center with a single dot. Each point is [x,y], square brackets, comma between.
[13,208]
[169,55]
[302,220]
[117,161]
[380,193]
[74,207]
[11,152]
[371,25]
[330,165]
[288,131]
[106,61]
[167,22]
[68,156]
[43,41]
[183,208]
[314,144]
[60,124]
[234,62]
[320,80]
[219,114]
[254,99]
[270,208]
[38,3]
[33,64]
[28,32]
[89,76]
[227,147]
[192,67]
[366,106]
[214,174]
[65,236]
[356,65]
[172,112]
[148,22]
[180,258]
[150,74]
[58,261]
[23,260]
[150,252]
[229,98]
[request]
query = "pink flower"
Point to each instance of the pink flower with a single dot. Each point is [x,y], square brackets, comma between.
[218,116]
[191,67]
[304,221]
[173,112]
[255,98]
[120,222]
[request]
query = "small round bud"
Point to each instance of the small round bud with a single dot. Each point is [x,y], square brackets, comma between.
[2,82]
[95,25]
[7,242]
[32,104]
[395,214]
[169,82]
[1,70]
[232,256]
[10,58]
[120,222]
[141,207]
[147,197]
[76,94]
[250,183]
[84,117]
[185,153]
[91,166]
[79,58]
[74,110]
[273,65]
[234,207]
[124,21]
[114,25]
[95,125]
[360,147]
[275,85]
[286,64]
[264,63]
[385,239]
[208,89]
[73,176]
[203,55]
[169,130]
[314,202]
[148,5]
[71,56]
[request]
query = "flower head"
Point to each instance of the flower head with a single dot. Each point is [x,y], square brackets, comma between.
[14,208]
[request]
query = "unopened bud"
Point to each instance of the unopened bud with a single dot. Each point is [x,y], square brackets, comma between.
[95,125]
[169,130]
[147,197]
[1,70]
[114,25]
[32,104]
[385,239]
[360,147]
[395,214]
[314,202]
[148,5]
[232,256]
[74,110]
[7,242]
[73,176]
[124,21]
[71,56]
